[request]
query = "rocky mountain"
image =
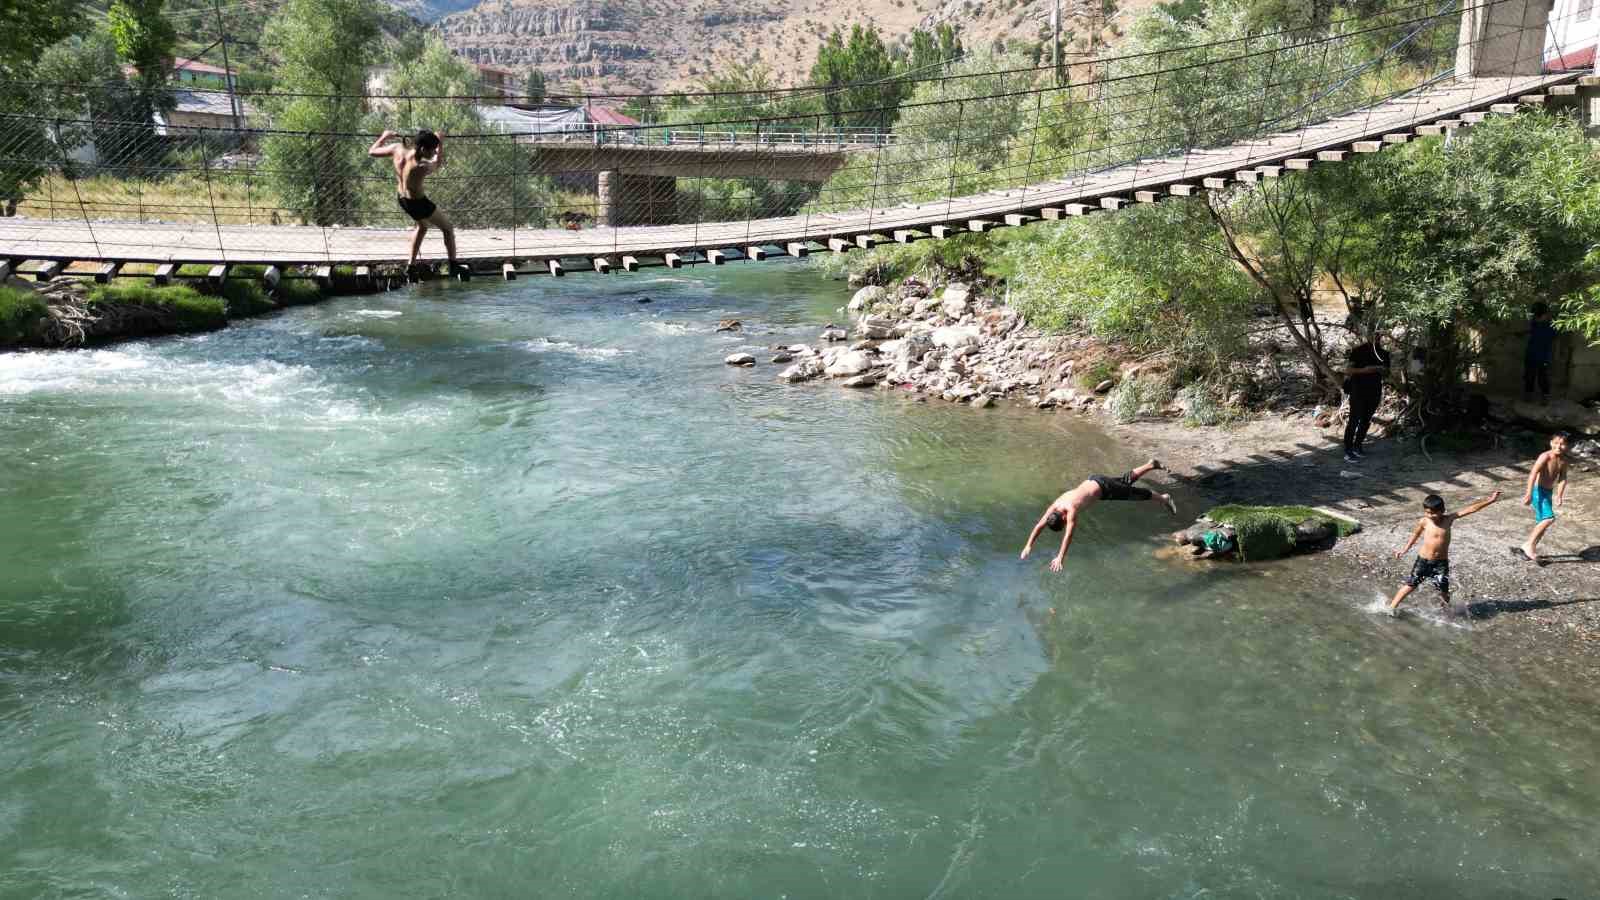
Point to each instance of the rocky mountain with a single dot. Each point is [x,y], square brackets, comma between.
[642,45]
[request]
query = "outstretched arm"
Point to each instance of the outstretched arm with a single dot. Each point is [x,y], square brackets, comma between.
[1561,486]
[1415,533]
[1471,508]
[378,147]
[1038,527]
[1066,540]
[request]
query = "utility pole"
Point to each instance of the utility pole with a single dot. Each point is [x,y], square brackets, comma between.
[227,68]
[1055,41]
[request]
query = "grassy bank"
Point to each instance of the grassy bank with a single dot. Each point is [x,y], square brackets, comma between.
[20,312]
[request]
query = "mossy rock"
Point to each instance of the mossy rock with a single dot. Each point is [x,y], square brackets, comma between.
[1271,532]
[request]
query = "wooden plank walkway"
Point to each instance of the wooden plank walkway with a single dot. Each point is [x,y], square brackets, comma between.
[1366,130]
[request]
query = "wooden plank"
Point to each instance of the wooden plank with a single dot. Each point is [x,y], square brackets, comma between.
[1017,220]
[1589,81]
[5,270]
[1113,203]
[1504,109]
[556,268]
[1563,90]
[907,235]
[1248,176]
[363,275]
[673,260]
[1270,171]
[1473,118]
[1532,99]
[1366,146]
[48,271]
[1430,130]
[868,241]
[219,274]
[1330,155]
[508,271]
[601,265]
[1181,190]
[1145,196]
[1297,164]
[1397,137]
[102,275]
[940,231]
[755,253]
[797,249]
[271,277]
[979,226]
[717,257]
[1214,184]
[839,245]
[164,273]
[1080,209]
[1053,213]
[630,264]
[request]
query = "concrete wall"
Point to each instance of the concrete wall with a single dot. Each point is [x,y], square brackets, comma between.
[1503,38]
[1574,372]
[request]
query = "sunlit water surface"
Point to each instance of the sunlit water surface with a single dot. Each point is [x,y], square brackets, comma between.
[517,590]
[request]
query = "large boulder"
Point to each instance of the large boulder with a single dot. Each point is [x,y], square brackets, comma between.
[834,334]
[740,359]
[875,328]
[853,362]
[924,306]
[804,370]
[860,381]
[866,297]
[952,336]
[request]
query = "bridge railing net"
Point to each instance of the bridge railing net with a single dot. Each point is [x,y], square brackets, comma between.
[69,153]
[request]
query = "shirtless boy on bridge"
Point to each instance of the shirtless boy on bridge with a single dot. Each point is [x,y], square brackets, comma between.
[411,165]
[1063,513]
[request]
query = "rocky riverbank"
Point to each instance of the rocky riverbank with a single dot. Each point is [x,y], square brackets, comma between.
[952,344]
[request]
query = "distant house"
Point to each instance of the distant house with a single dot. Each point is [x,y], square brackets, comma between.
[196,72]
[202,110]
[497,82]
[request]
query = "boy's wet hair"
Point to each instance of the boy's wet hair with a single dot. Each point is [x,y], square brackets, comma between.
[1539,309]
[1053,521]
[1433,503]
[1561,436]
[426,141]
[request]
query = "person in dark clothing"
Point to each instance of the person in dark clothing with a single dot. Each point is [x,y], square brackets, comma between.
[1541,348]
[1367,364]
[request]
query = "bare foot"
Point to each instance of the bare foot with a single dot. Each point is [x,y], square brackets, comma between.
[1156,466]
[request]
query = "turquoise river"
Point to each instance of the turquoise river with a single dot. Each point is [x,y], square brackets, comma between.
[516,590]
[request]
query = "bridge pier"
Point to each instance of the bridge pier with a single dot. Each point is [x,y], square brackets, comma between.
[629,199]
[1502,38]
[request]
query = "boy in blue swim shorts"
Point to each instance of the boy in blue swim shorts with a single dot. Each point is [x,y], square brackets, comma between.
[1547,487]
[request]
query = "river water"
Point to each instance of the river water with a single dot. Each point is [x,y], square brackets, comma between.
[517,590]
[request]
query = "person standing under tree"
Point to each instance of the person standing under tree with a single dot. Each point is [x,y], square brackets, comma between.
[1541,348]
[1367,364]
[411,165]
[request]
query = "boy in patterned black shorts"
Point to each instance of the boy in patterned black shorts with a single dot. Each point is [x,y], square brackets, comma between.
[1433,560]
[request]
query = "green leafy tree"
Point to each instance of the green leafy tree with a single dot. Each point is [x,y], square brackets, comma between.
[323,48]
[144,39]
[29,27]
[931,50]
[858,78]
[534,86]
[91,96]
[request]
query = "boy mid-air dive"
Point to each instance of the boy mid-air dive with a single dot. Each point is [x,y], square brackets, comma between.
[1433,560]
[411,165]
[1063,513]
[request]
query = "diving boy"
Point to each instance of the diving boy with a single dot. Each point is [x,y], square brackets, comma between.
[1547,488]
[1063,513]
[411,165]
[1433,560]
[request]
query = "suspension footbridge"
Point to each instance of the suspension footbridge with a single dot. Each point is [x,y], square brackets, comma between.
[900,190]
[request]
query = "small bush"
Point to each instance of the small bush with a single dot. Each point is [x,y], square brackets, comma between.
[1135,397]
[246,297]
[1102,370]
[1200,405]
[190,310]
[297,291]
[20,312]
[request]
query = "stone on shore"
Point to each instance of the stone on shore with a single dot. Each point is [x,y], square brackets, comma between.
[866,297]
[835,334]
[851,362]
[741,359]
[804,370]
[860,381]
[951,336]
[782,356]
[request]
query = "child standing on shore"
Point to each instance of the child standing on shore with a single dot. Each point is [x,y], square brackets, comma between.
[1433,560]
[1547,487]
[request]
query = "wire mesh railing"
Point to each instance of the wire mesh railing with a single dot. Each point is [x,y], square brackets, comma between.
[981,127]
